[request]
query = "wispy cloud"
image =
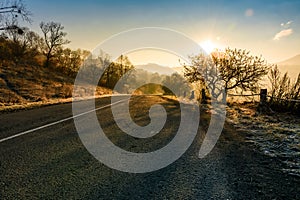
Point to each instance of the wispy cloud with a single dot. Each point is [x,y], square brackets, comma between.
[249,12]
[283,33]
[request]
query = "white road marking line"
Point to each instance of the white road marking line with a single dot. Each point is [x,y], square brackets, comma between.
[57,122]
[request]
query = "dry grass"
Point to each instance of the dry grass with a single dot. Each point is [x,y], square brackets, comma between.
[24,86]
[275,135]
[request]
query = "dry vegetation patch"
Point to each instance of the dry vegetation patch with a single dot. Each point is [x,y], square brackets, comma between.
[276,135]
[27,86]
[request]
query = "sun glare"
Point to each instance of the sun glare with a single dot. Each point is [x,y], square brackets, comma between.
[208,46]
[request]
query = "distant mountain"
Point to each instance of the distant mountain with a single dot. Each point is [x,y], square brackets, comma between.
[291,61]
[179,70]
[155,68]
[291,65]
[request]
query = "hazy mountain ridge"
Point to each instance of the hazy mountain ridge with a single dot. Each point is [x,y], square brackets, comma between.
[291,65]
[156,68]
[291,61]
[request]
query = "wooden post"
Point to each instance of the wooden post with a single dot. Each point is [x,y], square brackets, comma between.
[192,95]
[203,95]
[263,97]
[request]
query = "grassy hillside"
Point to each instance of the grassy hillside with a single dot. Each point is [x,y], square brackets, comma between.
[27,84]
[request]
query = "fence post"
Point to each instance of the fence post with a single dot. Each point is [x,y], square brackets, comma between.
[192,95]
[203,96]
[263,97]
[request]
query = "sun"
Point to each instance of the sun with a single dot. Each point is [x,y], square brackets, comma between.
[208,46]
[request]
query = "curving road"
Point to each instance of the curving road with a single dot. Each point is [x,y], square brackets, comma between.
[52,163]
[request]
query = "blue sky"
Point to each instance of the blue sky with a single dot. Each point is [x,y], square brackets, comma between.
[270,28]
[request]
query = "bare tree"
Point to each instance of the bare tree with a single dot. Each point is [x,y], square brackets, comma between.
[241,70]
[237,69]
[10,11]
[54,39]
[203,73]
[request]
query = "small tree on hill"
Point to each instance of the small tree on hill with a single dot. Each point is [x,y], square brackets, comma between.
[115,71]
[69,61]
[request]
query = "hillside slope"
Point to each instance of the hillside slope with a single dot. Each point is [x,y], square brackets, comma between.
[23,84]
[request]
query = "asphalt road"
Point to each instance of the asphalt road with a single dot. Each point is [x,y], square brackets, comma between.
[52,163]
